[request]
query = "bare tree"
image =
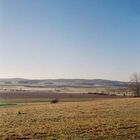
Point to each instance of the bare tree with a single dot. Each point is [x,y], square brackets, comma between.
[135,84]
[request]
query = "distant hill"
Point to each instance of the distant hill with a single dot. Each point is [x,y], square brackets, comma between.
[64,82]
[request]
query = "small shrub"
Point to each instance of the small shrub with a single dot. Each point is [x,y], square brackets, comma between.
[19,113]
[54,101]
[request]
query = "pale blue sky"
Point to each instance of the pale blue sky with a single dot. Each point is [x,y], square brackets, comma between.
[69,38]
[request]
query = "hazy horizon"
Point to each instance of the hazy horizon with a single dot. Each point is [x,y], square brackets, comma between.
[44,39]
[60,79]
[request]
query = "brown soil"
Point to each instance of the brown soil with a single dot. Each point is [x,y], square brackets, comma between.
[43,94]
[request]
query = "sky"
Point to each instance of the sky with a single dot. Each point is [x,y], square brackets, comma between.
[49,39]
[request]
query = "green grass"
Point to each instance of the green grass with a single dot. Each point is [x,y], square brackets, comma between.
[4,104]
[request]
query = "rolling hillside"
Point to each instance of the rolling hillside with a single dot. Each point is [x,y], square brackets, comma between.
[64,82]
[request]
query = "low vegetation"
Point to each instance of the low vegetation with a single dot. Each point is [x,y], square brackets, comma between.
[100,119]
[54,101]
[7,104]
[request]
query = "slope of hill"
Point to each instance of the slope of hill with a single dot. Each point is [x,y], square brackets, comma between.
[64,82]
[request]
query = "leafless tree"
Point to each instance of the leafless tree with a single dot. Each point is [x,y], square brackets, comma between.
[135,84]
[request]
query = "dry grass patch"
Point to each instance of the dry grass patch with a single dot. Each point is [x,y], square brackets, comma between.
[102,119]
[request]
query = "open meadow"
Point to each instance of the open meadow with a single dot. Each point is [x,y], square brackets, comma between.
[84,120]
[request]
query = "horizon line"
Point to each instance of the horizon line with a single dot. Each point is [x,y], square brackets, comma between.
[63,79]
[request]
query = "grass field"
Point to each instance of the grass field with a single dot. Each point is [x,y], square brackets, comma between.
[111,119]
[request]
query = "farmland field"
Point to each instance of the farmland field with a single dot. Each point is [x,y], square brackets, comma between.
[88,120]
